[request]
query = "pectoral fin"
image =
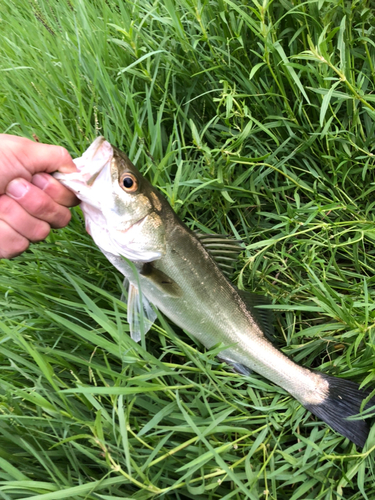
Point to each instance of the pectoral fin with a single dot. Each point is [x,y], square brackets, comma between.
[161,281]
[138,312]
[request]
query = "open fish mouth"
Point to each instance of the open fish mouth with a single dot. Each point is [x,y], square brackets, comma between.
[92,179]
[90,164]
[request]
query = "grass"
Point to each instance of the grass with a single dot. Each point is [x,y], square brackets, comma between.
[256,120]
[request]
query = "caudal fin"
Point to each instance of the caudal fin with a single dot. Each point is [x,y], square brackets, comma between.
[344,400]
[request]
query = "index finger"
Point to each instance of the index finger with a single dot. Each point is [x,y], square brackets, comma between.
[39,157]
[59,193]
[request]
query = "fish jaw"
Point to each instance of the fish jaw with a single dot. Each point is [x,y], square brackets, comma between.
[90,166]
[121,225]
[94,159]
[129,243]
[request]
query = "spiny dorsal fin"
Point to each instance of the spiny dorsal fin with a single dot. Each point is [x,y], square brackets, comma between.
[263,317]
[222,248]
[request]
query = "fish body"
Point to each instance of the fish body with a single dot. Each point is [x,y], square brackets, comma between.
[206,305]
[176,272]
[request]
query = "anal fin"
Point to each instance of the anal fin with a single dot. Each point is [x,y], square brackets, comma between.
[237,367]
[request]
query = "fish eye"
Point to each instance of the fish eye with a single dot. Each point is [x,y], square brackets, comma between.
[129,183]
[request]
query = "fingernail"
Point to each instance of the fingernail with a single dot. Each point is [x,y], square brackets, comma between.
[17,188]
[41,180]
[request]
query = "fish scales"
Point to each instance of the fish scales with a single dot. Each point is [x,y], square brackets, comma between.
[225,317]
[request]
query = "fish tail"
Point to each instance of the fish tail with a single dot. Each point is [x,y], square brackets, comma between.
[344,399]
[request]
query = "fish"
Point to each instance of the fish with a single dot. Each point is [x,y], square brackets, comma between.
[182,274]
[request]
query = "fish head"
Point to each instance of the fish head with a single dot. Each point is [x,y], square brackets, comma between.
[122,209]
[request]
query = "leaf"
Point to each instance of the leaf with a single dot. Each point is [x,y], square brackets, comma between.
[146,56]
[325,103]
[290,69]
[254,69]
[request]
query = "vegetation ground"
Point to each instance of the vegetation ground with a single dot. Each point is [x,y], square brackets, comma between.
[254,119]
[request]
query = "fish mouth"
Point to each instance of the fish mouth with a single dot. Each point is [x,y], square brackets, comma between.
[92,179]
[96,146]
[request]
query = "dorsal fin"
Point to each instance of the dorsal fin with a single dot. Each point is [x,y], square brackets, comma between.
[222,248]
[263,317]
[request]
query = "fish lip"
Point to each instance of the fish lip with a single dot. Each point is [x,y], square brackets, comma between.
[100,140]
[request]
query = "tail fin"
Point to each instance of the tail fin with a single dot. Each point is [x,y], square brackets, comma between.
[344,400]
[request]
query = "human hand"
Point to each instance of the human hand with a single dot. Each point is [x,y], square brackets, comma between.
[31,201]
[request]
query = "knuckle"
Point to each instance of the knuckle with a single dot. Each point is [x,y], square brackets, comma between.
[6,205]
[63,218]
[64,154]
[11,242]
[5,254]
[42,208]
[68,216]
[18,246]
[55,190]
[41,231]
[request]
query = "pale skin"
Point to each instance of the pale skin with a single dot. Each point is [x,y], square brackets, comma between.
[31,200]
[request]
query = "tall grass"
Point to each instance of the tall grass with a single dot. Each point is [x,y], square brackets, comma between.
[255,120]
